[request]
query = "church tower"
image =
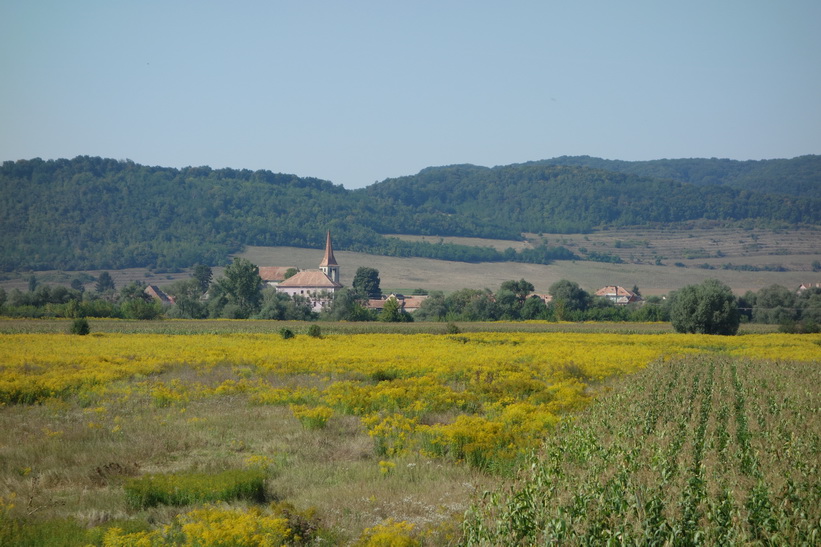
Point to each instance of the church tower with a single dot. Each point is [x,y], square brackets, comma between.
[328,265]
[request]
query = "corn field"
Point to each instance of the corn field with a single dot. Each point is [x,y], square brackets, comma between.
[709,450]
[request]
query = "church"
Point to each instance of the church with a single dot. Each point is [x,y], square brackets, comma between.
[318,286]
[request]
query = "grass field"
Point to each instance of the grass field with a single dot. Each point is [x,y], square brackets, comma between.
[361,436]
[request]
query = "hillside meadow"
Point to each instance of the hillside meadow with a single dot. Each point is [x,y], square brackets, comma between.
[232,437]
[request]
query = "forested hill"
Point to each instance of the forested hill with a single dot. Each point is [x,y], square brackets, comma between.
[94,213]
[543,197]
[799,176]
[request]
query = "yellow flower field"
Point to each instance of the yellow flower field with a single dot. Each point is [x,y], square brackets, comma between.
[492,395]
[480,399]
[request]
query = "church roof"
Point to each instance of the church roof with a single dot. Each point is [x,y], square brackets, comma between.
[310,279]
[328,259]
[273,273]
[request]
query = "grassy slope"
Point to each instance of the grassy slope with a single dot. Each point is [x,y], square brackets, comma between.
[793,249]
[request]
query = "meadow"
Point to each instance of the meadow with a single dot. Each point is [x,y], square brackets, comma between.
[232,437]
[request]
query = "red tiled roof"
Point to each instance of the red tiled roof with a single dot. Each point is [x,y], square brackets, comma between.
[310,279]
[273,273]
[614,290]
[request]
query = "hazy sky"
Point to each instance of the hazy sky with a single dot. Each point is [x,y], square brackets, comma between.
[356,92]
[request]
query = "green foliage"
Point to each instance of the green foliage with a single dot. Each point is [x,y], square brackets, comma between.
[80,326]
[57,213]
[104,283]
[392,312]
[346,306]
[283,307]
[203,275]
[708,308]
[314,331]
[286,333]
[671,456]
[241,286]
[194,488]
[366,282]
[568,296]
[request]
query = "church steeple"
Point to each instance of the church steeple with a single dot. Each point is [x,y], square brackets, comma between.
[328,265]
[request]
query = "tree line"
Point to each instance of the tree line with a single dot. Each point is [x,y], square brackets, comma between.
[709,308]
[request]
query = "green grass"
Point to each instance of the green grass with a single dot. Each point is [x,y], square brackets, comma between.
[194,488]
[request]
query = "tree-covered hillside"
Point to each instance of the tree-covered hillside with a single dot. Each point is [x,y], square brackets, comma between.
[540,197]
[799,176]
[94,213]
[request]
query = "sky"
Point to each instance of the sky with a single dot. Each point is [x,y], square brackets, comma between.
[359,91]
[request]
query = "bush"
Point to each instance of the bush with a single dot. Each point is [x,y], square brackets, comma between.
[286,333]
[451,328]
[709,308]
[80,326]
[314,331]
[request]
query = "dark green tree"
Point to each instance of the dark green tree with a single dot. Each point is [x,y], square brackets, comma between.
[774,304]
[188,303]
[32,283]
[242,288]
[708,308]
[392,312]
[290,272]
[203,275]
[534,308]
[280,306]
[347,306]
[569,295]
[104,283]
[366,282]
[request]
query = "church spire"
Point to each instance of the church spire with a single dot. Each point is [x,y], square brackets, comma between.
[328,264]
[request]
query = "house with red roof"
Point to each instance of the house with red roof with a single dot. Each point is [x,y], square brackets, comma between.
[618,295]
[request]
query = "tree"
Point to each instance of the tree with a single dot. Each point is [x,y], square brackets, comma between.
[346,307]
[280,306]
[511,297]
[392,312]
[534,308]
[290,272]
[774,304]
[521,288]
[105,283]
[187,301]
[708,308]
[366,282]
[569,296]
[241,286]
[203,275]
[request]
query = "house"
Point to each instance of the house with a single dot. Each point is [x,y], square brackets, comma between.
[618,295]
[274,275]
[407,303]
[807,286]
[158,294]
[319,285]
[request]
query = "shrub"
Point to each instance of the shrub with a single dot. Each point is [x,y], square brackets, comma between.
[451,328]
[314,331]
[286,333]
[80,326]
